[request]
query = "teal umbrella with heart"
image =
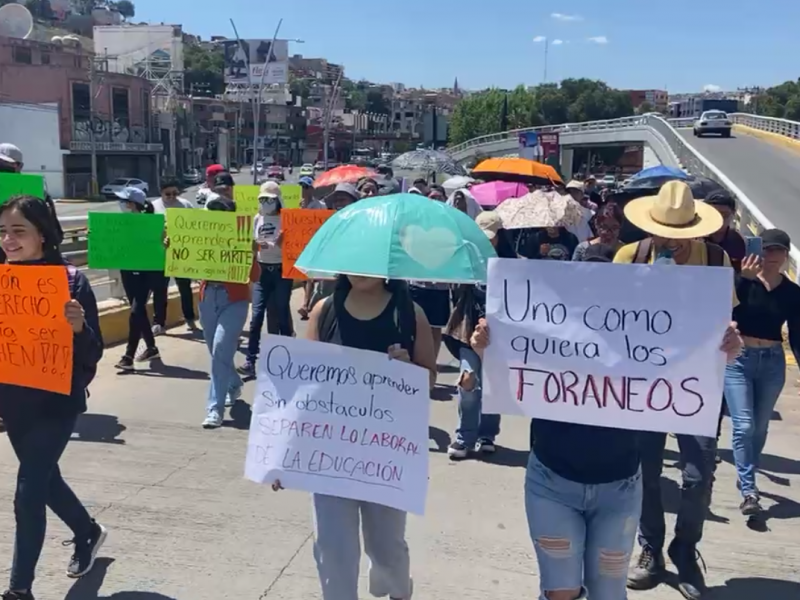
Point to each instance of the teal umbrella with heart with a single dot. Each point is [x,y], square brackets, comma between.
[400,236]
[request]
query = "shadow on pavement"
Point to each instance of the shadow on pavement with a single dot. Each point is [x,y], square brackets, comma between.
[241,414]
[507,457]
[769,462]
[159,369]
[88,586]
[752,588]
[103,429]
[440,437]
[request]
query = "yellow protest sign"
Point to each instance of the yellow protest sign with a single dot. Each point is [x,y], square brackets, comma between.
[246,198]
[209,245]
[291,193]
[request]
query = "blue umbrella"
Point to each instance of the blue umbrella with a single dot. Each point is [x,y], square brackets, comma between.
[660,171]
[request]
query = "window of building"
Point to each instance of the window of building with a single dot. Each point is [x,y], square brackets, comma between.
[78,61]
[22,55]
[146,112]
[120,110]
[81,104]
[45,58]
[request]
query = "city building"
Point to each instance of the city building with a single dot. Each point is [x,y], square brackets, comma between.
[315,68]
[657,99]
[115,107]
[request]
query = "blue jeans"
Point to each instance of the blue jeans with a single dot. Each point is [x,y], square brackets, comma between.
[222,323]
[272,295]
[583,534]
[39,485]
[753,383]
[473,425]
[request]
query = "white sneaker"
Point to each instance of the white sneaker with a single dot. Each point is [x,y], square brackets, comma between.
[213,420]
[232,396]
[158,330]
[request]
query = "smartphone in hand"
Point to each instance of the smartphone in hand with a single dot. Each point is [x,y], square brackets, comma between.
[753,246]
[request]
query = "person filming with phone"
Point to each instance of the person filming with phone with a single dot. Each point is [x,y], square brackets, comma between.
[753,382]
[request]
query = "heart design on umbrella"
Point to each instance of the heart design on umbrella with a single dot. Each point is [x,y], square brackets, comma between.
[430,248]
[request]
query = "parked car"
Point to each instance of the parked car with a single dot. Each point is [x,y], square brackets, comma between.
[319,166]
[110,189]
[275,172]
[192,176]
[609,181]
[307,170]
[234,168]
[713,121]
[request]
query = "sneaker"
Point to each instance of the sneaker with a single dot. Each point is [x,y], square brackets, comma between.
[85,552]
[649,570]
[213,420]
[191,325]
[2,426]
[11,595]
[125,364]
[232,396]
[751,506]
[248,369]
[691,582]
[485,446]
[148,355]
[457,451]
[158,329]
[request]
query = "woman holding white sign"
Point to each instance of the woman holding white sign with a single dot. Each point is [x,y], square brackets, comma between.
[370,314]
[583,498]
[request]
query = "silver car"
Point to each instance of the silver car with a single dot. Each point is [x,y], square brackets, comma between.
[713,121]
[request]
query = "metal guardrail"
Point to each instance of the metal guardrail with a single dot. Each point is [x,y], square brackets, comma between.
[750,220]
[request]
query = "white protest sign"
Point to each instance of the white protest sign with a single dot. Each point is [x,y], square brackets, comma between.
[626,346]
[339,421]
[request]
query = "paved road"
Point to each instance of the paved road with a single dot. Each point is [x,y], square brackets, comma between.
[767,173]
[185,525]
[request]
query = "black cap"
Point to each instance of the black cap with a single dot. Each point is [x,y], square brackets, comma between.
[223,179]
[599,253]
[775,237]
[721,198]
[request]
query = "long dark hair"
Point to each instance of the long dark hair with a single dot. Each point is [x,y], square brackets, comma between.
[38,213]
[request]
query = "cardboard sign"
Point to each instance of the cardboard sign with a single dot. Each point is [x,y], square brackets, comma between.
[626,346]
[246,199]
[126,241]
[340,421]
[20,184]
[299,225]
[35,337]
[209,245]
[291,194]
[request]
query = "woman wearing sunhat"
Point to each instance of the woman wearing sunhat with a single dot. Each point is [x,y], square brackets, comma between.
[754,381]
[675,222]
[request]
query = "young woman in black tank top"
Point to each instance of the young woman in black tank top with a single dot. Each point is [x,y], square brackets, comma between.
[368,314]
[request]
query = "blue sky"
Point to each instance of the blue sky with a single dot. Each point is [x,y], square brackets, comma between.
[682,45]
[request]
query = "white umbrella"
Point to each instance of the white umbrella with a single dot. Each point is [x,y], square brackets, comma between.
[456,183]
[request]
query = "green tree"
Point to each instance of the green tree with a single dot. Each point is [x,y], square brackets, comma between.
[40,9]
[203,68]
[780,101]
[125,8]
[644,108]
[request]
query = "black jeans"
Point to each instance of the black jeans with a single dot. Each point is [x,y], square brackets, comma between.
[697,456]
[272,295]
[160,291]
[39,485]
[137,287]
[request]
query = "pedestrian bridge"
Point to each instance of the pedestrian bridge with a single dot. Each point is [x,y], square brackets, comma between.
[759,164]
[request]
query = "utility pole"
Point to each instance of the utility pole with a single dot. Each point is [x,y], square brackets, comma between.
[546,48]
[326,131]
[92,141]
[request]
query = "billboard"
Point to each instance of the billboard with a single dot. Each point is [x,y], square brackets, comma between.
[254,53]
[135,49]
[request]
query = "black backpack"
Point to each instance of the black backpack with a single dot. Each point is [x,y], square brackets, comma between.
[405,317]
[716,255]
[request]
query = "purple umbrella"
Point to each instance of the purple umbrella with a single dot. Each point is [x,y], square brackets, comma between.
[494,192]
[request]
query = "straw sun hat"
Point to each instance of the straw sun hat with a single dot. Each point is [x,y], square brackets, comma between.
[674,214]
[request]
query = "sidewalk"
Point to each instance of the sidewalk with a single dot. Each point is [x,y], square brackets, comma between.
[184,524]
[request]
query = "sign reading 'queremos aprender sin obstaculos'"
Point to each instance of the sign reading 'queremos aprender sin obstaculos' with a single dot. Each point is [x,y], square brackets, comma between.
[626,346]
[340,421]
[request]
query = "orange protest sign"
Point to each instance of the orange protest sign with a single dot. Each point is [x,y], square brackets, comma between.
[35,337]
[299,225]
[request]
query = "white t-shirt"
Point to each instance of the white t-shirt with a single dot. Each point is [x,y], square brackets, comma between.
[160,208]
[583,231]
[267,228]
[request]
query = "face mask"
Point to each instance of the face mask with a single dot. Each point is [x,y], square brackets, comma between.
[268,207]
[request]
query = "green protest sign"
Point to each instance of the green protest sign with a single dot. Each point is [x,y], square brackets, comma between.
[291,194]
[126,241]
[209,245]
[246,198]
[20,184]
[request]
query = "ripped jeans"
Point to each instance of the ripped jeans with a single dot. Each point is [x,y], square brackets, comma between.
[583,534]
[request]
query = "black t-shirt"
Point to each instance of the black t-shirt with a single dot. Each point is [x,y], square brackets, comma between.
[561,247]
[584,453]
[761,313]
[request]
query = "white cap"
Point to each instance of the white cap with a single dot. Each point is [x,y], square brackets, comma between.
[270,189]
[10,153]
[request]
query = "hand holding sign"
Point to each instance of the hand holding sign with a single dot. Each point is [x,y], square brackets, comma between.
[73,311]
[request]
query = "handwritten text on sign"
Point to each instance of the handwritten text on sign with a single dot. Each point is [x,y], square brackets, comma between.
[35,337]
[339,421]
[210,245]
[299,225]
[626,346]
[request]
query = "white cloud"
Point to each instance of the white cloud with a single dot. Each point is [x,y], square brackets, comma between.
[710,87]
[539,39]
[563,17]
[557,42]
[598,39]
